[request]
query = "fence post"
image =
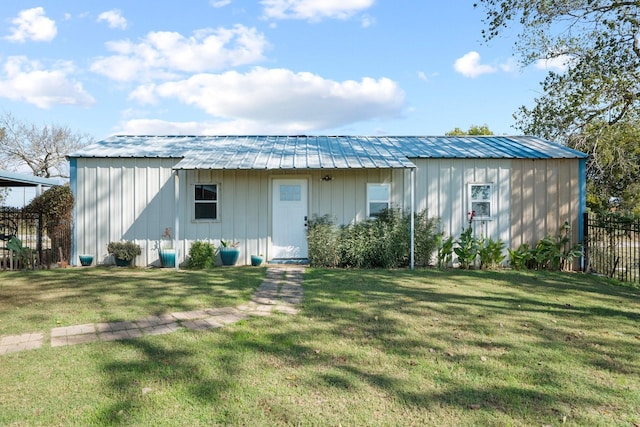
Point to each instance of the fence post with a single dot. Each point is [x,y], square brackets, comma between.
[39,237]
[585,242]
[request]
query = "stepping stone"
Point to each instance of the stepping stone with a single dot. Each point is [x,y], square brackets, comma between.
[15,343]
[115,326]
[161,329]
[190,315]
[202,324]
[121,334]
[66,331]
[153,321]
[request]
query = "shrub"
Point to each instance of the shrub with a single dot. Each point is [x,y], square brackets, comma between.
[467,249]
[55,205]
[556,253]
[426,238]
[490,253]
[550,253]
[201,255]
[125,251]
[383,242]
[445,250]
[521,258]
[322,237]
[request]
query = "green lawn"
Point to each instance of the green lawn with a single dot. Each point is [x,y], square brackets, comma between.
[367,348]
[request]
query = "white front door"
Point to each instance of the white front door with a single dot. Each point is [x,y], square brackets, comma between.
[289,233]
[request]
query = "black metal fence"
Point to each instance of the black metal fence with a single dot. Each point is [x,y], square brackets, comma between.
[612,246]
[42,244]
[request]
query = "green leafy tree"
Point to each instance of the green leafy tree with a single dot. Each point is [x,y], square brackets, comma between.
[473,130]
[592,101]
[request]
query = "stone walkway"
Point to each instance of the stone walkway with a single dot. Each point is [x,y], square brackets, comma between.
[280,291]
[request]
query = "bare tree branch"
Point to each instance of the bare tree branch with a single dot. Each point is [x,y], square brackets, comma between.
[41,148]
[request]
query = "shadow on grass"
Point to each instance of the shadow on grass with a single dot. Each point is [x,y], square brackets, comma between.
[415,338]
[51,298]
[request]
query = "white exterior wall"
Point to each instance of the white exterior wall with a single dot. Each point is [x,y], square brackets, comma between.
[245,203]
[134,199]
[442,188]
[122,199]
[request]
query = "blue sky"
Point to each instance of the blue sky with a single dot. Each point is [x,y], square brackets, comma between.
[365,67]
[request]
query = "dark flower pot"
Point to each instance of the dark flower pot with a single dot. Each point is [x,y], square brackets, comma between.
[229,256]
[256,260]
[123,262]
[86,260]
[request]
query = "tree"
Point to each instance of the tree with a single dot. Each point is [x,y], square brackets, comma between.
[41,148]
[3,191]
[473,130]
[593,102]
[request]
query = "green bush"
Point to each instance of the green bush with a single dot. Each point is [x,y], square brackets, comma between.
[125,250]
[383,242]
[491,253]
[467,249]
[556,253]
[550,253]
[55,205]
[322,237]
[445,250]
[201,255]
[521,258]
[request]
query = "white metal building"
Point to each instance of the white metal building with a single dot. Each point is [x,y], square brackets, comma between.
[260,190]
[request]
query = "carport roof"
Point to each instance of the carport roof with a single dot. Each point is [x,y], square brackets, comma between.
[13,179]
[320,152]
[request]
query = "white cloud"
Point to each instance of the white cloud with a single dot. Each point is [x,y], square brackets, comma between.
[426,78]
[314,10]
[511,66]
[559,63]
[231,127]
[280,99]
[367,21]
[469,65]
[113,18]
[32,24]
[219,3]
[162,54]
[27,81]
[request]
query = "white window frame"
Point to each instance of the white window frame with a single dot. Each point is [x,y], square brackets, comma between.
[370,200]
[489,200]
[215,202]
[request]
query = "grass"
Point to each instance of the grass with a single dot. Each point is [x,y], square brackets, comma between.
[367,348]
[45,299]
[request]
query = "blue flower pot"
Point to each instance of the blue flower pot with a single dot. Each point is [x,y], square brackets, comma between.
[229,256]
[256,260]
[168,258]
[86,260]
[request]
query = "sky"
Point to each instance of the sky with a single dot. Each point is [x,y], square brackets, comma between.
[229,67]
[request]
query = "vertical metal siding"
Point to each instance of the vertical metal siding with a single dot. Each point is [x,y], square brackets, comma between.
[442,189]
[545,195]
[123,199]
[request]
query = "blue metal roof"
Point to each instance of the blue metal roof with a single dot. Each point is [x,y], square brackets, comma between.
[321,152]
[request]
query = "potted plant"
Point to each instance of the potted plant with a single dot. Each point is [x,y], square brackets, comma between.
[123,252]
[166,251]
[229,252]
[256,260]
[85,260]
